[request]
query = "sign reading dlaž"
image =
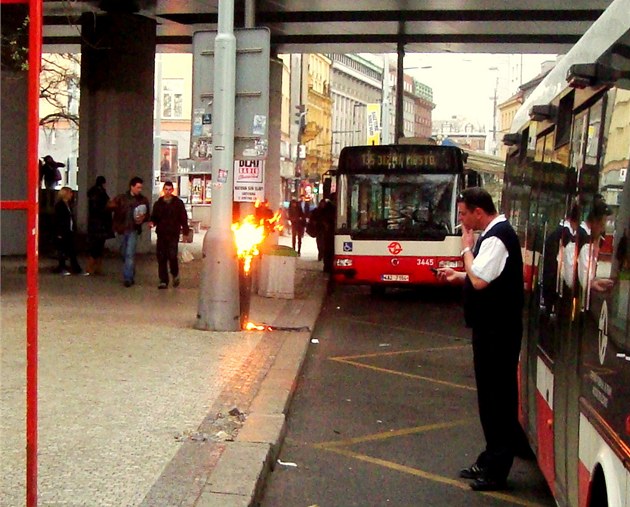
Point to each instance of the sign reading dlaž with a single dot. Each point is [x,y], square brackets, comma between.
[249,180]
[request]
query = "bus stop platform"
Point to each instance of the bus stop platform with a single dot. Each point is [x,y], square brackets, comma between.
[138,408]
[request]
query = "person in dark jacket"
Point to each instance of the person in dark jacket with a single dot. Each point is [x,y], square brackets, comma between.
[297,217]
[99,224]
[493,307]
[169,218]
[322,220]
[49,172]
[64,232]
[131,210]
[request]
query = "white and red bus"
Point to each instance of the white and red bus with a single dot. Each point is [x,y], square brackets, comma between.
[397,214]
[567,193]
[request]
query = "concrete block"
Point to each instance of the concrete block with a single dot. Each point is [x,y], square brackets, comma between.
[277,276]
[271,400]
[240,469]
[264,428]
[208,499]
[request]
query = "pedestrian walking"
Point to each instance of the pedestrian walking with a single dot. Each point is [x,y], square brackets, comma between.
[493,306]
[297,218]
[65,227]
[99,225]
[170,219]
[131,209]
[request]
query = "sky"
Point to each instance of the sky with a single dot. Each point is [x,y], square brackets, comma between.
[463,84]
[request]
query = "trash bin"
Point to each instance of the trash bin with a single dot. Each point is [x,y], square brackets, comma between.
[277,272]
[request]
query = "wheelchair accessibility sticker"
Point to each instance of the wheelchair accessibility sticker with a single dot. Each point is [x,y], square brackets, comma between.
[347,246]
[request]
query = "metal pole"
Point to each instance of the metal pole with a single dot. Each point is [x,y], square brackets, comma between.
[400,89]
[494,117]
[250,13]
[219,288]
[32,259]
[385,107]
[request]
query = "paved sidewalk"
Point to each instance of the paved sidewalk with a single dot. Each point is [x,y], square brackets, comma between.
[137,408]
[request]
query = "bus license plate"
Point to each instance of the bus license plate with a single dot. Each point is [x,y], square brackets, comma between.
[395,278]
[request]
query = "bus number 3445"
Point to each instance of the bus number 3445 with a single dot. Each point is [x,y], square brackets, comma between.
[424,261]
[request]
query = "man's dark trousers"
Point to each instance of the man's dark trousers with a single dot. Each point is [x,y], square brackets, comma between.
[166,250]
[495,357]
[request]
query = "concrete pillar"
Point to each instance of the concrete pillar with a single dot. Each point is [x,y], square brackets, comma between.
[273,184]
[116,110]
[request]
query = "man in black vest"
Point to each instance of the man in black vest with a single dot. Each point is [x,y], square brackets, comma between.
[493,305]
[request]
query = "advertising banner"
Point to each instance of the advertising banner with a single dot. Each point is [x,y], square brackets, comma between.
[373,123]
[249,180]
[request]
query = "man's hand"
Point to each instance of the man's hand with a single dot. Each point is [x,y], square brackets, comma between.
[450,275]
[468,238]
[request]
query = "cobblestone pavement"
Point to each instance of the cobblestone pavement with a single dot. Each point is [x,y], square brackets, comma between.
[133,402]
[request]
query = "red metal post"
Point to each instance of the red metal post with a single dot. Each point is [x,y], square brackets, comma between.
[32,254]
[31,206]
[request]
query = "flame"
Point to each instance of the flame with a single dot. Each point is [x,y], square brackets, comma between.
[248,235]
[250,326]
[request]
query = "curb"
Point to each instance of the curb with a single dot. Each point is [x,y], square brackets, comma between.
[240,474]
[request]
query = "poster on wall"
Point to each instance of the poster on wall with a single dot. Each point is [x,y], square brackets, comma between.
[168,161]
[249,180]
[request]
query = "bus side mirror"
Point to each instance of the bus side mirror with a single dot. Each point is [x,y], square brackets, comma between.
[472,179]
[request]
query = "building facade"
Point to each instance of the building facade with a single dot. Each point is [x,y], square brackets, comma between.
[316,135]
[355,82]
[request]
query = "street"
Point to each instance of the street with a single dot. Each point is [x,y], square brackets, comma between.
[385,410]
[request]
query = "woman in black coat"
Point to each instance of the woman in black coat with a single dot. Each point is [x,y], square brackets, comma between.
[64,232]
[99,224]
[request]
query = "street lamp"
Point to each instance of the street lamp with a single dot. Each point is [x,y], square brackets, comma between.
[494,110]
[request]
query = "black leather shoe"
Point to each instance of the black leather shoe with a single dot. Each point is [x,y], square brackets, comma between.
[474,471]
[487,484]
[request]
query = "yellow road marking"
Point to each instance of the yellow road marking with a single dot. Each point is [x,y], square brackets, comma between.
[398,352]
[402,374]
[390,434]
[429,476]
[399,328]
[337,446]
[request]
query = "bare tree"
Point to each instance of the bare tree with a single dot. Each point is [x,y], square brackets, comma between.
[59,78]
[59,88]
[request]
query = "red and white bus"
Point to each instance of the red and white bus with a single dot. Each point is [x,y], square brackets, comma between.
[397,214]
[567,193]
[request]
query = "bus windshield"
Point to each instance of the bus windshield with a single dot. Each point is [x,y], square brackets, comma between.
[399,205]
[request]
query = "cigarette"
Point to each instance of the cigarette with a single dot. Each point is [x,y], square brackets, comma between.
[457,226]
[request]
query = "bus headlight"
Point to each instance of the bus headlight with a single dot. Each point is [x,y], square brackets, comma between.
[343,263]
[451,264]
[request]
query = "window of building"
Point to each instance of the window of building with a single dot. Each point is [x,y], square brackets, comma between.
[172,98]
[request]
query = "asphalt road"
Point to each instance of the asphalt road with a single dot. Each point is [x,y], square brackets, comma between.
[385,410]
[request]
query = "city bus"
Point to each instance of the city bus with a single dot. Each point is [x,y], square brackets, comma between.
[397,214]
[567,193]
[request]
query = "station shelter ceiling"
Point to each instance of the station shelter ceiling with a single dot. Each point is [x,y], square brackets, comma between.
[354,26]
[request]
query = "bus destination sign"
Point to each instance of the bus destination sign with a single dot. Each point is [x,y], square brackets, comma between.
[406,157]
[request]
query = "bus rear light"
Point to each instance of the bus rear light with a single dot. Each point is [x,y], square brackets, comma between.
[343,263]
[451,264]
